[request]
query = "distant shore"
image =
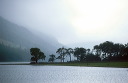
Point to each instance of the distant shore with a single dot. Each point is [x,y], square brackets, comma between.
[83,64]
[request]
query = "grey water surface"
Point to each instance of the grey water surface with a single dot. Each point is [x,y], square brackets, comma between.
[61,74]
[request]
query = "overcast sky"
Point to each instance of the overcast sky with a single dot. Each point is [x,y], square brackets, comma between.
[71,21]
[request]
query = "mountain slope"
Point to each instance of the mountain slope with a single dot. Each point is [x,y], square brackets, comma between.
[18,37]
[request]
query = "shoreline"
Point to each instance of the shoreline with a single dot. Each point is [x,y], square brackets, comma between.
[80,64]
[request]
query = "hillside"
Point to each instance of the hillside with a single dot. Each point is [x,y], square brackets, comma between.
[16,37]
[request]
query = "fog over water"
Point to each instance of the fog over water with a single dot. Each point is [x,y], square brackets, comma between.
[71,21]
[61,74]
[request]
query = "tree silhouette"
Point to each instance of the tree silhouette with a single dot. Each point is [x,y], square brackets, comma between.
[97,49]
[125,54]
[110,51]
[69,52]
[92,57]
[36,54]
[107,49]
[62,52]
[52,58]
[88,51]
[79,53]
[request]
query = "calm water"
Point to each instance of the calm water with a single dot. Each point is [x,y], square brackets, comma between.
[61,74]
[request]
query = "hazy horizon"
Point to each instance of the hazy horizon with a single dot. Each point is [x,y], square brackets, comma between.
[71,21]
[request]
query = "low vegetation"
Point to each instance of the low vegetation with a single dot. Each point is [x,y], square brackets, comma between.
[91,64]
[80,64]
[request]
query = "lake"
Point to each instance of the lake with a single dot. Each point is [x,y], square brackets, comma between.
[61,74]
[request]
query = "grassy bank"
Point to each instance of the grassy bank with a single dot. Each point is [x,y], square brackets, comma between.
[91,64]
[86,64]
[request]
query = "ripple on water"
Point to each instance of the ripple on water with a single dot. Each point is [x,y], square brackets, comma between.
[61,74]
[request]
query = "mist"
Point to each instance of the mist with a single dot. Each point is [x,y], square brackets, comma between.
[71,22]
